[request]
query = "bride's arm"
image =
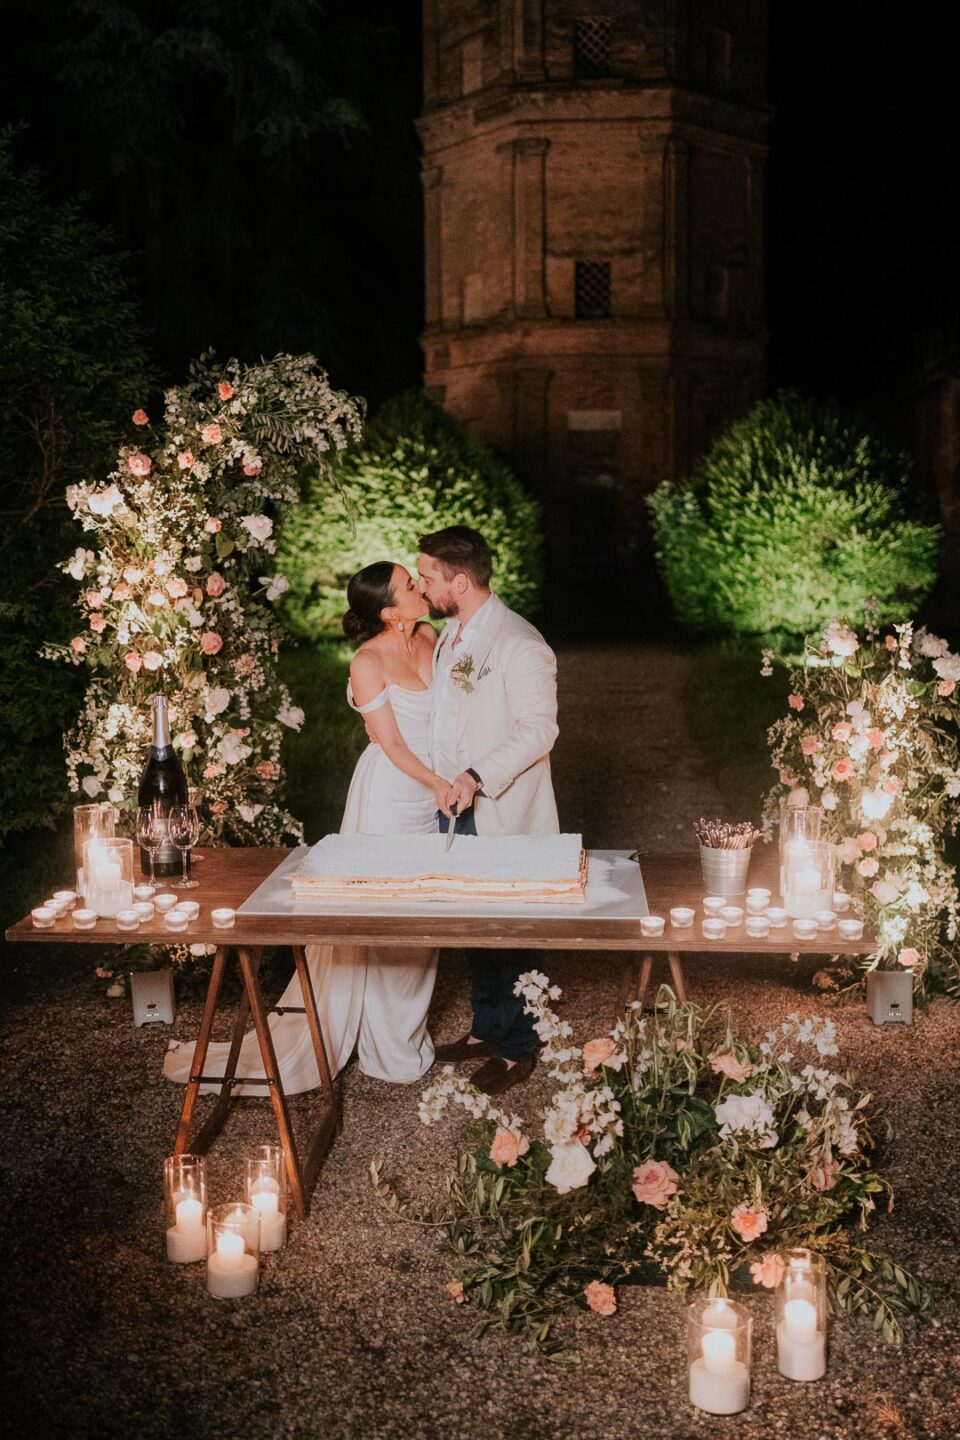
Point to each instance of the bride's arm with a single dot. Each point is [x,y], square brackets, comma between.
[366,682]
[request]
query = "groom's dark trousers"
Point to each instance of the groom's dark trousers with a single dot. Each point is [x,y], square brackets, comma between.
[497,1013]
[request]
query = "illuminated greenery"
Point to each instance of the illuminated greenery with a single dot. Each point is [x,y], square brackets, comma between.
[416,470]
[796,514]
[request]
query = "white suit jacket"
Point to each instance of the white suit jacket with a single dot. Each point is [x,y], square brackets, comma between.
[507,724]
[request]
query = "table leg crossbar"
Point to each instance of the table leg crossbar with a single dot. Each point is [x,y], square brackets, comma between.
[635,981]
[301,1173]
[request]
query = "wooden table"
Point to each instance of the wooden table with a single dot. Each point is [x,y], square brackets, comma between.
[228,876]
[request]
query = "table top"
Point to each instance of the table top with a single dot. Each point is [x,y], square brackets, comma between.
[228,876]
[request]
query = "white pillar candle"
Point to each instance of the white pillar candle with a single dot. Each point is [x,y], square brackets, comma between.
[273,1223]
[187,1239]
[801,1347]
[231,1272]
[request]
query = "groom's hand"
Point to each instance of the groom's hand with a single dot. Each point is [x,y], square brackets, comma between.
[462,791]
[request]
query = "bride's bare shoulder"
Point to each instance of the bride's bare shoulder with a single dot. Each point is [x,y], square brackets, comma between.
[367,665]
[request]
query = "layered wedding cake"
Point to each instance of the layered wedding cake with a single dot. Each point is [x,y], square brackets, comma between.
[537,869]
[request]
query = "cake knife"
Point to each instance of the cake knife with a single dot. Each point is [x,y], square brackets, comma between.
[451,828]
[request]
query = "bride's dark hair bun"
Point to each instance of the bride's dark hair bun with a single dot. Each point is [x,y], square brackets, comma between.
[369,592]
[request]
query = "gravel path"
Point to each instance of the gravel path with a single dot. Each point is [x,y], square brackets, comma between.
[352,1333]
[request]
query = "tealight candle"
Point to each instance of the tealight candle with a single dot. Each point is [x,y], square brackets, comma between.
[144,892]
[681,916]
[805,929]
[84,919]
[165,901]
[758,926]
[777,917]
[850,929]
[128,920]
[713,927]
[713,904]
[841,901]
[144,909]
[825,919]
[59,907]
[759,892]
[176,920]
[43,917]
[68,898]
[732,914]
[651,924]
[190,908]
[223,917]
[757,904]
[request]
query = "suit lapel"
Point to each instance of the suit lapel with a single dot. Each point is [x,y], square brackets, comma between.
[488,642]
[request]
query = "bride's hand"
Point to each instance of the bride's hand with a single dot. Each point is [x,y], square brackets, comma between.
[441,789]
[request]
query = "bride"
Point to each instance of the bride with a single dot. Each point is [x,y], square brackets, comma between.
[374,998]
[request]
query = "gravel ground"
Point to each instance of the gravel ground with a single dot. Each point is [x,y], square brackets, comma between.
[352,1333]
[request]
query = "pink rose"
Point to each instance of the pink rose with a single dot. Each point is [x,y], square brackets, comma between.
[867,841]
[809,744]
[843,769]
[729,1065]
[595,1052]
[252,465]
[909,957]
[507,1148]
[455,1288]
[875,739]
[842,730]
[267,770]
[883,892]
[892,786]
[868,867]
[133,574]
[768,1272]
[213,525]
[654,1182]
[121,591]
[185,459]
[220,808]
[946,687]
[177,587]
[140,417]
[216,585]
[210,772]
[78,644]
[795,702]
[224,390]
[823,1173]
[210,434]
[210,642]
[600,1297]
[132,661]
[98,623]
[153,660]
[139,464]
[890,642]
[94,599]
[748,1221]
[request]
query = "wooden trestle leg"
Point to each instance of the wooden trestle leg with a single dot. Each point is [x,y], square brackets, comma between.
[635,981]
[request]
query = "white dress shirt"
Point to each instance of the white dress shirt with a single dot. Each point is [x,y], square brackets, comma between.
[456,641]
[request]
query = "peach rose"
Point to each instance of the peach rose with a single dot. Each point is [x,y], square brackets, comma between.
[890,642]
[823,1173]
[98,623]
[211,435]
[210,772]
[768,1272]
[795,702]
[210,642]
[121,591]
[94,599]
[867,841]
[213,526]
[748,1221]
[883,892]
[601,1297]
[177,587]
[78,644]
[809,744]
[842,730]
[507,1148]
[654,1182]
[267,770]
[892,786]
[153,660]
[252,465]
[224,390]
[946,687]
[185,459]
[868,867]
[216,585]
[219,808]
[133,661]
[596,1051]
[140,417]
[156,597]
[139,464]
[876,739]
[455,1288]
[909,957]
[729,1065]
[843,769]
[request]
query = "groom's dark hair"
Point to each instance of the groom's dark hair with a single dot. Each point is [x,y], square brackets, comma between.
[459,551]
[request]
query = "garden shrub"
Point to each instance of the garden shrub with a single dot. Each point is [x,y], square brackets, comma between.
[796,514]
[416,470]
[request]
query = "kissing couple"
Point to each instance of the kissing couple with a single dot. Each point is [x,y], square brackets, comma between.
[460,726]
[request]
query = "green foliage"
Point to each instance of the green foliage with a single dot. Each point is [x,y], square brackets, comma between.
[416,470]
[796,514]
[72,360]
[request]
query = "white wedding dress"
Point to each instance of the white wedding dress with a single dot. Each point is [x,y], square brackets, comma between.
[374,998]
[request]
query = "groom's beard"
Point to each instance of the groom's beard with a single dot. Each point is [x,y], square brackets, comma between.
[441,612]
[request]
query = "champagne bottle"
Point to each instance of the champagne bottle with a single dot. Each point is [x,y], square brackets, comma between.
[164,784]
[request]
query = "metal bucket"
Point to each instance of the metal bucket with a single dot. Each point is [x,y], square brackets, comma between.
[724,871]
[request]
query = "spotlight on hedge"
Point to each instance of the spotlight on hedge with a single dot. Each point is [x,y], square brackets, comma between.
[417,469]
[795,515]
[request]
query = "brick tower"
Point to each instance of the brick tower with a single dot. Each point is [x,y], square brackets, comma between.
[593,193]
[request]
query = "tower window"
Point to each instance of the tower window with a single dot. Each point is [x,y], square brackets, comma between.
[591,47]
[591,286]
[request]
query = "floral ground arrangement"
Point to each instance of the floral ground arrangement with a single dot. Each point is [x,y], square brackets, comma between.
[674,1150]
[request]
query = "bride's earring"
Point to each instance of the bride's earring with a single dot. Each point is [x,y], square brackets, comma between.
[400,625]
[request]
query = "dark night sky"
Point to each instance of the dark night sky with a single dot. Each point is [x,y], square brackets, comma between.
[860,263]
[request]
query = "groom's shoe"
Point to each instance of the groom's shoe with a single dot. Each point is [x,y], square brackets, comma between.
[462,1049]
[497,1076]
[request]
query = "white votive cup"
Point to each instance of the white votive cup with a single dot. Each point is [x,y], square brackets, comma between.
[190,908]
[732,914]
[651,924]
[43,917]
[59,907]
[128,920]
[850,929]
[84,919]
[144,909]
[681,916]
[758,927]
[756,904]
[713,904]
[777,917]
[144,892]
[759,892]
[825,919]
[67,898]
[223,917]
[165,901]
[176,920]
[805,929]
[714,928]
[841,901]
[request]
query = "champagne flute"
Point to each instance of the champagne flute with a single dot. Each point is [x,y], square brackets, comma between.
[151,833]
[195,798]
[183,829]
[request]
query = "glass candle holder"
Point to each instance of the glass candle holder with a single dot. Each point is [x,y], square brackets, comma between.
[652,924]
[801,1316]
[108,875]
[185,1202]
[808,872]
[265,1188]
[719,1334]
[233,1251]
[90,822]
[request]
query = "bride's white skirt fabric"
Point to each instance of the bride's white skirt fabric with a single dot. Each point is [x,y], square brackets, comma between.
[373,998]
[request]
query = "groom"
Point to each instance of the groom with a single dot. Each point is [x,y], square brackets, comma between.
[494,724]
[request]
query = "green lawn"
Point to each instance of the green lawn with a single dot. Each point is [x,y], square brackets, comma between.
[319,759]
[730,707]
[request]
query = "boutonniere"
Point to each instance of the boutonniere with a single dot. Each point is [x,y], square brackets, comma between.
[462,674]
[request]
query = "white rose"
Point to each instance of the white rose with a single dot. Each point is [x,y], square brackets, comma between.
[291,716]
[840,640]
[77,567]
[930,645]
[798,798]
[874,804]
[828,800]
[193,563]
[883,892]
[276,585]
[115,795]
[948,666]
[91,785]
[259,526]
[104,502]
[232,749]
[249,812]
[848,850]
[217,701]
[571,1166]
